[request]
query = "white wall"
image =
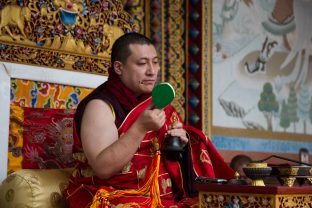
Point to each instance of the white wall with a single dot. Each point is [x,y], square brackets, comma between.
[10,70]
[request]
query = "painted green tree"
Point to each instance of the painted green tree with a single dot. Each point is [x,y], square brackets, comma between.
[292,103]
[304,106]
[284,120]
[268,104]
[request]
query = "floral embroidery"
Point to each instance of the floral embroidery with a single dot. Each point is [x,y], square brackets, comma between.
[80,156]
[165,183]
[87,172]
[141,173]
[174,118]
[126,168]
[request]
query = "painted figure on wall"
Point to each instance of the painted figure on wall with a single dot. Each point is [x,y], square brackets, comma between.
[266,47]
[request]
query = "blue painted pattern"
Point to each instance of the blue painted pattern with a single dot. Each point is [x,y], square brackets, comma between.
[259,145]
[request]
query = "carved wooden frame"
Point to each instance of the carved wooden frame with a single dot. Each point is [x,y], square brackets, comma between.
[68,35]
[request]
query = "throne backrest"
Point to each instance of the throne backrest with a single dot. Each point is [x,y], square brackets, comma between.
[54,53]
[26,112]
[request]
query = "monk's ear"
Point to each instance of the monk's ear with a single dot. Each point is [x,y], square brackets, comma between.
[118,67]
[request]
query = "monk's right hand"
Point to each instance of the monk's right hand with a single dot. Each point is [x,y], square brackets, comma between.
[151,118]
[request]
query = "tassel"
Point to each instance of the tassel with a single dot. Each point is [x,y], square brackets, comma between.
[154,186]
[99,200]
[150,187]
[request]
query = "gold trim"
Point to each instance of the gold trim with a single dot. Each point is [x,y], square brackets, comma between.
[57,59]
[177,54]
[113,111]
[162,41]
[203,80]
[187,63]
[210,67]
[207,67]
[147,18]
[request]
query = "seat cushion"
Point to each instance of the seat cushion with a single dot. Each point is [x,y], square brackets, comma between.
[34,188]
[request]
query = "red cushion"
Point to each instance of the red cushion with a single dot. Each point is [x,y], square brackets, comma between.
[47,138]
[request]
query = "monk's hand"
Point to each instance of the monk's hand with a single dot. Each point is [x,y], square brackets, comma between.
[176,129]
[152,118]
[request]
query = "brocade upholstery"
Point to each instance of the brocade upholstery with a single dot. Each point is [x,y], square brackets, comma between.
[40,134]
[47,138]
[40,143]
[34,188]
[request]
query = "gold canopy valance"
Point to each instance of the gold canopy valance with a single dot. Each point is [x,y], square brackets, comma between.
[66,34]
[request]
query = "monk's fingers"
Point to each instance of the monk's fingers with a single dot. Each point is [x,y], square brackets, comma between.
[179,133]
[176,125]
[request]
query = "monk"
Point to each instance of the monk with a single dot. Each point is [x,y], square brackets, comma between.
[119,139]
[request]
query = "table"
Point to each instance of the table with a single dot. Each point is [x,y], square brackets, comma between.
[241,196]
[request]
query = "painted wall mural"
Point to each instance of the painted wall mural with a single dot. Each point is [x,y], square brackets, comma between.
[262,61]
[257,77]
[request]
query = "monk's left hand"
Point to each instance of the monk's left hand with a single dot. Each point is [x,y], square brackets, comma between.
[176,129]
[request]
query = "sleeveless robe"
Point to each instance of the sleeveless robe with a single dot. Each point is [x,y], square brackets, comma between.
[171,178]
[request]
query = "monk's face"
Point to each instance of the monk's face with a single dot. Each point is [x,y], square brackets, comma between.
[139,72]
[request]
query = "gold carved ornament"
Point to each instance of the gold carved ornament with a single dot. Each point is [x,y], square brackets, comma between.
[176,70]
[216,200]
[67,34]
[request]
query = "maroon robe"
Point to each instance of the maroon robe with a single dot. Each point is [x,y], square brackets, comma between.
[172,187]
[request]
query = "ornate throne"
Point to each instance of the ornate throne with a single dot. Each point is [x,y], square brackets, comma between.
[53,53]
